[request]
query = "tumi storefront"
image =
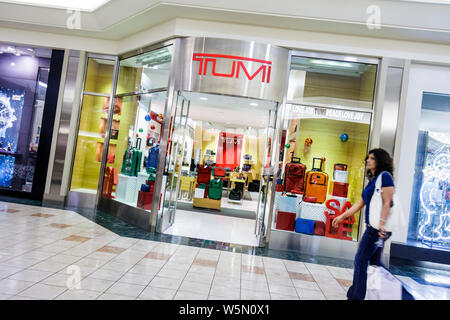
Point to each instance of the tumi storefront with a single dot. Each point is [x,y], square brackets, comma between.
[227,140]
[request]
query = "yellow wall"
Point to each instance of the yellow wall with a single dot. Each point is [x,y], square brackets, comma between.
[326,134]
[99,80]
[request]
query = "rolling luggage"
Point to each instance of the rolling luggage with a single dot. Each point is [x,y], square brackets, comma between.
[204,174]
[218,172]
[215,189]
[294,176]
[340,189]
[319,228]
[285,221]
[254,186]
[340,173]
[152,161]
[316,183]
[132,159]
[304,226]
[235,195]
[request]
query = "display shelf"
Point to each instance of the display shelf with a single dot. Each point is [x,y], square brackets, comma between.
[94,137]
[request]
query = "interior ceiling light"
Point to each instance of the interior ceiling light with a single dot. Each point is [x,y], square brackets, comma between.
[332,63]
[253,104]
[203,98]
[82,5]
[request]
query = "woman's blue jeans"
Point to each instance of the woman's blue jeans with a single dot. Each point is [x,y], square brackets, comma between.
[368,252]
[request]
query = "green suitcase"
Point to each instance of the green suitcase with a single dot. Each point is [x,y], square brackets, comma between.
[132,159]
[215,189]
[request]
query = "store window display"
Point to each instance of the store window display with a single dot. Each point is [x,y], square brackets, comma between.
[24,74]
[92,125]
[130,171]
[430,205]
[326,135]
[141,93]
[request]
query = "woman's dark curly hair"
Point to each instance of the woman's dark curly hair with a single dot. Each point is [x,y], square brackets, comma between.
[383,162]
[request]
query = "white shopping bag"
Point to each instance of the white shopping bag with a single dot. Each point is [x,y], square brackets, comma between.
[382,285]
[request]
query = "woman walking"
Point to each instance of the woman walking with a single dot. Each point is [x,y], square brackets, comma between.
[379,166]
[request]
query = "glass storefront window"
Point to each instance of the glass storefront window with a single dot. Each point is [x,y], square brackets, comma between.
[92,125]
[24,76]
[133,149]
[329,83]
[146,71]
[99,76]
[431,192]
[324,159]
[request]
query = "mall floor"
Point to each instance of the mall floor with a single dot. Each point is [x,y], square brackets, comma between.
[49,253]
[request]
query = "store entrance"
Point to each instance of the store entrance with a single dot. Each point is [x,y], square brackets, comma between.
[218,157]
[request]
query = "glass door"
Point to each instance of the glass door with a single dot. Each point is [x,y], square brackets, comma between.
[266,178]
[174,162]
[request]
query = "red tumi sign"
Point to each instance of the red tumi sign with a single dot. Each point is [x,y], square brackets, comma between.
[208,62]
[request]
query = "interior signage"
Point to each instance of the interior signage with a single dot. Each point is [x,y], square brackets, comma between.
[208,62]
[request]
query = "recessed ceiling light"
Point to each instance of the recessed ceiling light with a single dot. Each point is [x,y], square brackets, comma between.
[253,104]
[17,54]
[12,64]
[203,98]
[82,5]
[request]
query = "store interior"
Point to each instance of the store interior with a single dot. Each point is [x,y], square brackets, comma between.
[222,149]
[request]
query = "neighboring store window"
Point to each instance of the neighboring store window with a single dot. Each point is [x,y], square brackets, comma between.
[24,76]
[145,71]
[92,126]
[325,142]
[430,206]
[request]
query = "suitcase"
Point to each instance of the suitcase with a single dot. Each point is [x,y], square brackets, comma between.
[152,160]
[316,183]
[304,226]
[319,228]
[254,186]
[235,195]
[287,204]
[294,176]
[340,173]
[340,189]
[218,172]
[285,221]
[132,159]
[215,189]
[204,174]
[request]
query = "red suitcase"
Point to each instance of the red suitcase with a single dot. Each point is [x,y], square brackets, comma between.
[285,221]
[294,176]
[319,228]
[204,174]
[218,172]
[340,189]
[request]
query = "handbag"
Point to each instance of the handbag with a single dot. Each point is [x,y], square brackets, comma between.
[396,219]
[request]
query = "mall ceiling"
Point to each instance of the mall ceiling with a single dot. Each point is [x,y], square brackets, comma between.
[426,21]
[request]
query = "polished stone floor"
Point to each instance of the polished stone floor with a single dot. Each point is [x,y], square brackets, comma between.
[49,253]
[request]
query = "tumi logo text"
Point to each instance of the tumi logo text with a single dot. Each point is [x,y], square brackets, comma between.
[208,62]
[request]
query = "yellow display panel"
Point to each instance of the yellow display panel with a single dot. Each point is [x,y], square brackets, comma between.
[325,134]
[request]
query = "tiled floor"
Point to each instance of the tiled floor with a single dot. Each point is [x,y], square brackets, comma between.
[213,227]
[48,253]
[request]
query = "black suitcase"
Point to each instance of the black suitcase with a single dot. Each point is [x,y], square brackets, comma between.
[235,195]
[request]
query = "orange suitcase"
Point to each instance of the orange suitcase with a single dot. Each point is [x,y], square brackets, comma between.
[316,183]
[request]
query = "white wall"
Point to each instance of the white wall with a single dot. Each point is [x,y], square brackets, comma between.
[421,78]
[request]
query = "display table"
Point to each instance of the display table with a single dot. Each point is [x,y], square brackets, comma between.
[207,203]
